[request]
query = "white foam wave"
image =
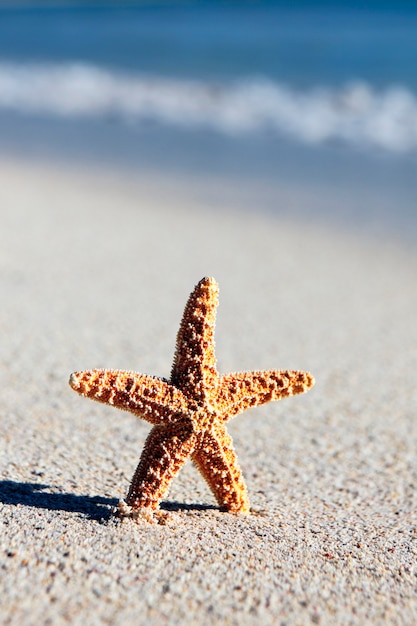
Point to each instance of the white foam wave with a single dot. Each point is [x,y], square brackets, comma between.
[356,114]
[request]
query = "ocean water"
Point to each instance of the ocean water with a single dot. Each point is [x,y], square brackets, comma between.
[313,93]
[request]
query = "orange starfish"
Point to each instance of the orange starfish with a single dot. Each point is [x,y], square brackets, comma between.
[190,410]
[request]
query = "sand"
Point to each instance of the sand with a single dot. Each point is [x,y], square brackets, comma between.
[95,270]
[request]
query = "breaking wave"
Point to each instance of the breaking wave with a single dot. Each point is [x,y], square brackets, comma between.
[356,114]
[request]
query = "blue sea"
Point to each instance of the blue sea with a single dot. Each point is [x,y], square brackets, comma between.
[314,94]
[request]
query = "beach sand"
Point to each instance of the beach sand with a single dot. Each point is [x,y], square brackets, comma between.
[95,269]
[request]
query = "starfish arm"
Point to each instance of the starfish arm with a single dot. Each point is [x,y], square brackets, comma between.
[239,392]
[166,450]
[217,462]
[194,368]
[153,399]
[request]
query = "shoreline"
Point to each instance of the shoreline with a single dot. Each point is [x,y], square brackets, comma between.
[329,205]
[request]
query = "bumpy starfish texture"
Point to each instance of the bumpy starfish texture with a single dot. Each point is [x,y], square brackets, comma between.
[190,410]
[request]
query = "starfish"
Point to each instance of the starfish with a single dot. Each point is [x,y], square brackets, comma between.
[189,411]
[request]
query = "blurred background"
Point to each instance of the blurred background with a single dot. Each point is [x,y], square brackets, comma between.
[302,108]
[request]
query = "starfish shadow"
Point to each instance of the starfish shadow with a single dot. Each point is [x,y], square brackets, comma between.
[33,494]
[94,507]
[182,506]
